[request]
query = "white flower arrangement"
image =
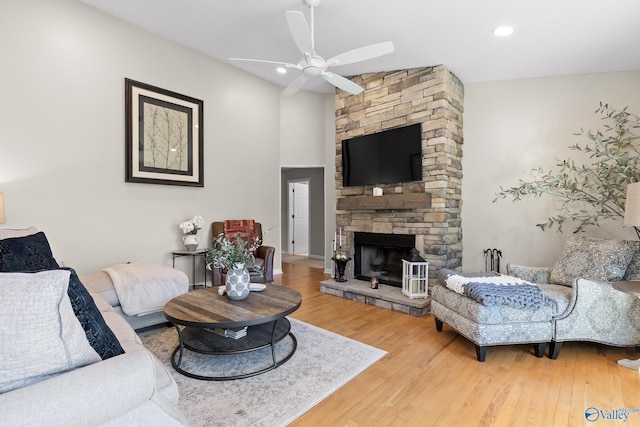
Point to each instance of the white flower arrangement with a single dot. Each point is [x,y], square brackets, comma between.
[192,226]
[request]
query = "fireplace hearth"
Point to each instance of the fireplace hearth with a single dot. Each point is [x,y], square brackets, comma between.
[380,255]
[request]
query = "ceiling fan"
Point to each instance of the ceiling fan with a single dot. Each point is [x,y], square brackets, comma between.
[312,64]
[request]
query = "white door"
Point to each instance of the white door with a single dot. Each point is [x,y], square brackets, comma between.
[299,217]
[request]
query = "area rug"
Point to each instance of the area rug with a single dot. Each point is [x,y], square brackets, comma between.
[322,363]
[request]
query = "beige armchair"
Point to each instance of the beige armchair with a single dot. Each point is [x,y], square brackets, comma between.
[580,304]
[593,309]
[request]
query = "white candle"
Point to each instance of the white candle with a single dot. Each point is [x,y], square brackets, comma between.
[377,191]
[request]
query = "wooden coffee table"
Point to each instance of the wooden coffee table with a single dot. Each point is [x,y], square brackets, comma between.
[262,312]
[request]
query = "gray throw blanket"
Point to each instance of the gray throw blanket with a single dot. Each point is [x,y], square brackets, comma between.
[496,290]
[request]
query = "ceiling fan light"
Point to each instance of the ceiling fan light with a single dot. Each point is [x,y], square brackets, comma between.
[503,31]
[313,65]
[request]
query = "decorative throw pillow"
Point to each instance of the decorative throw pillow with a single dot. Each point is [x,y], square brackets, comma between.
[100,336]
[603,260]
[24,254]
[40,335]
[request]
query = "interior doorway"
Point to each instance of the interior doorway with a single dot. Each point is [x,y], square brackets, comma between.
[298,217]
[311,181]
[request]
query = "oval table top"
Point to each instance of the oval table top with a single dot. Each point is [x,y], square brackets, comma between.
[204,308]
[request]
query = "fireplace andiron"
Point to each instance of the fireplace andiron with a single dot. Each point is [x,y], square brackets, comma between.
[492,259]
[341,263]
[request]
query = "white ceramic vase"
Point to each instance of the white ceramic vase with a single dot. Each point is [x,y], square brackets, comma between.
[237,282]
[190,241]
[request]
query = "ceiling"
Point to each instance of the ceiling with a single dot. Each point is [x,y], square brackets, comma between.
[551,38]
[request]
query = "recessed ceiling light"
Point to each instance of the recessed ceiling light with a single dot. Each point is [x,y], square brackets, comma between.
[281,70]
[503,31]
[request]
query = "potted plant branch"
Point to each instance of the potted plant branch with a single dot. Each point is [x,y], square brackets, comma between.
[229,252]
[235,255]
[594,191]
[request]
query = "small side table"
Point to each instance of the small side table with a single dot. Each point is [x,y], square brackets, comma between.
[631,287]
[193,254]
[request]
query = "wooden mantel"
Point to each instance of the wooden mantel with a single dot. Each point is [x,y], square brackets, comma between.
[387,201]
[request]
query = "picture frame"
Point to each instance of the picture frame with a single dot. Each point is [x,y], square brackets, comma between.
[164,136]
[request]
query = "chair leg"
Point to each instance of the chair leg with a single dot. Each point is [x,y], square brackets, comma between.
[554,349]
[438,324]
[538,349]
[481,353]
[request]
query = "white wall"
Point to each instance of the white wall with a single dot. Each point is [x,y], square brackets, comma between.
[329,180]
[62,136]
[512,127]
[302,129]
[308,140]
[62,142]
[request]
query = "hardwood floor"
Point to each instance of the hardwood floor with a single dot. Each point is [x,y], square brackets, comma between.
[433,379]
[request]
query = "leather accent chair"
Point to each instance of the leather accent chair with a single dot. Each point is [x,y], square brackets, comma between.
[264,259]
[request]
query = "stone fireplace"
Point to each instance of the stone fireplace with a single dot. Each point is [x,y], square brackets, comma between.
[427,211]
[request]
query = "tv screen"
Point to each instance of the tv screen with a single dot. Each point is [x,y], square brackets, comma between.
[387,157]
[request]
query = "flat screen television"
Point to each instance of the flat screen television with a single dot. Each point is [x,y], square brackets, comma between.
[388,157]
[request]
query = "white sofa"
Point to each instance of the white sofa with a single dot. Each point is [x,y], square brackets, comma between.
[100,283]
[129,389]
[132,389]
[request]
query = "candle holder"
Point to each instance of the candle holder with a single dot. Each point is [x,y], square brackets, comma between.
[341,263]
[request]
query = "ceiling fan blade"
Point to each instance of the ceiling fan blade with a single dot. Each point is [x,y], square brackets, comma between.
[300,31]
[286,64]
[342,83]
[295,86]
[361,54]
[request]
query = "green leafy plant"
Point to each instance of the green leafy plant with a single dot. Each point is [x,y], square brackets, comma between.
[226,253]
[595,191]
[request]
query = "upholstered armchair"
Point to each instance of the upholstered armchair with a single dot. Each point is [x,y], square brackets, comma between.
[580,303]
[590,308]
[262,273]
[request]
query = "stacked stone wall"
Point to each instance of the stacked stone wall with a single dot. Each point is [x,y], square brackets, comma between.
[434,97]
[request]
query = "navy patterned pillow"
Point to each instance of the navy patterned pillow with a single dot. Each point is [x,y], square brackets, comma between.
[25,254]
[100,336]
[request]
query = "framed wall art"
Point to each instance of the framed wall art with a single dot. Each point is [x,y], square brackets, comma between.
[164,136]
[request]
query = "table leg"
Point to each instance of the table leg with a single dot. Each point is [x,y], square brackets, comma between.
[204,262]
[194,271]
[180,348]
[273,344]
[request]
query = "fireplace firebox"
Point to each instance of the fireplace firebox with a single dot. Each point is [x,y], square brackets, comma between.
[380,255]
